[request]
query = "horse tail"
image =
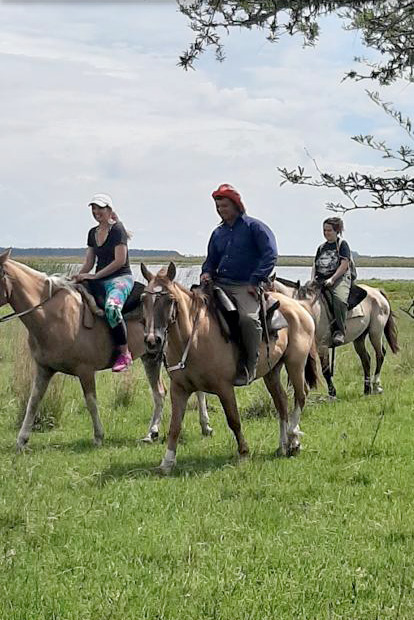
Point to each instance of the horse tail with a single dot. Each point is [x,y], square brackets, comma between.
[311,367]
[390,329]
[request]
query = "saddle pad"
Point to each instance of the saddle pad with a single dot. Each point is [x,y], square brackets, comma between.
[278,321]
[355,312]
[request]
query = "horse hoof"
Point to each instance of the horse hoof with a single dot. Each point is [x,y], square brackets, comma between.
[146,439]
[21,445]
[243,456]
[97,442]
[294,450]
[150,438]
[207,431]
[280,452]
[163,470]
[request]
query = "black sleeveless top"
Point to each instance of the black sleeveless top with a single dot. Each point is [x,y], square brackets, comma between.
[105,253]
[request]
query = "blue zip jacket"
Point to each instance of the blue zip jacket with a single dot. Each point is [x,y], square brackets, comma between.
[244,253]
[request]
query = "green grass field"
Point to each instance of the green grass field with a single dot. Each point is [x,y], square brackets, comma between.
[92,533]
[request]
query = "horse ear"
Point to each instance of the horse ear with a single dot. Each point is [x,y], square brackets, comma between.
[4,256]
[171,271]
[146,273]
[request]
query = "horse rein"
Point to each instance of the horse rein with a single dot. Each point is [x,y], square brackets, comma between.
[15,315]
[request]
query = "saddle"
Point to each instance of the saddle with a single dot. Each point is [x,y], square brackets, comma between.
[228,315]
[93,295]
[355,297]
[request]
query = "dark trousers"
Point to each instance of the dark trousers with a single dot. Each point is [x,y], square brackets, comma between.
[337,296]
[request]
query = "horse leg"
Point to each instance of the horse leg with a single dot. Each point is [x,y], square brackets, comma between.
[179,399]
[296,373]
[87,380]
[229,404]
[152,366]
[206,429]
[279,397]
[41,380]
[326,371]
[359,345]
[376,341]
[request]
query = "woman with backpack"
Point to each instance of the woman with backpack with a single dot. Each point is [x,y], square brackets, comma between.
[333,269]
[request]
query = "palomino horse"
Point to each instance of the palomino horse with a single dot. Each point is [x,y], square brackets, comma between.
[199,358]
[52,311]
[373,317]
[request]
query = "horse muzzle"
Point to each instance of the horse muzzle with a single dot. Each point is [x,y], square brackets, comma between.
[154,342]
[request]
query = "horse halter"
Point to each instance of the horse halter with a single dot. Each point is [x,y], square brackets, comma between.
[172,316]
[171,320]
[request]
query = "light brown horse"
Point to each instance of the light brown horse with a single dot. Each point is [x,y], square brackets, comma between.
[199,358]
[52,311]
[373,317]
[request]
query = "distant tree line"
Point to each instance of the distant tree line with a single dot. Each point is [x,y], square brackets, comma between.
[68,252]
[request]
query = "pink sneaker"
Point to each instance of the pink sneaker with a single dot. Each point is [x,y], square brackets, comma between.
[123,362]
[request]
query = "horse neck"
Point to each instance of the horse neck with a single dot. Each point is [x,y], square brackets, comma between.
[28,288]
[281,288]
[185,318]
[316,307]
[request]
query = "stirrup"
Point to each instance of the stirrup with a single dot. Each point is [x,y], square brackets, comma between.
[338,338]
[243,377]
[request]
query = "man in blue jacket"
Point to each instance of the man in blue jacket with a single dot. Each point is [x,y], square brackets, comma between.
[241,254]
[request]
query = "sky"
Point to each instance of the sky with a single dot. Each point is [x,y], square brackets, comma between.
[93,101]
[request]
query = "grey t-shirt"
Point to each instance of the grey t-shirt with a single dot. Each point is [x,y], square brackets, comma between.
[328,258]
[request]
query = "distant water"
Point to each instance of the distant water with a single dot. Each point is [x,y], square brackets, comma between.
[190,274]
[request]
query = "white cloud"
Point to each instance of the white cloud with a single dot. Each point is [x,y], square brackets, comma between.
[93,101]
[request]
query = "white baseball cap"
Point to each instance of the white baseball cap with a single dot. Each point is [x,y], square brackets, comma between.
[101,200]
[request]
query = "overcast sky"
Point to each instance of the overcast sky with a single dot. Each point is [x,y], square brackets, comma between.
[93,101]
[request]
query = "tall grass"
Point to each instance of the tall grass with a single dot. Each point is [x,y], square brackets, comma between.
[51,408]
[95,534]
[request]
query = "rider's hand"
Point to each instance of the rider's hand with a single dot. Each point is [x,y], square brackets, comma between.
[253,290]
[329,282]
[79,277]
[205,278]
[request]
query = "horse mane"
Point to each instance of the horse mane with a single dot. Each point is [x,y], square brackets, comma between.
[308,288]
[60,281]
[57,280]
[199,298]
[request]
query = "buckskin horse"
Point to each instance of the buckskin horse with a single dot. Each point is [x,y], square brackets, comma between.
[371,317]
[198,357]
[52,310]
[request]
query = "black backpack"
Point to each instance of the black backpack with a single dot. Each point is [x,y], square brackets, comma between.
[352,267]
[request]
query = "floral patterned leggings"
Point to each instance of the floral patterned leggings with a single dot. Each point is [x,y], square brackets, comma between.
[117,291]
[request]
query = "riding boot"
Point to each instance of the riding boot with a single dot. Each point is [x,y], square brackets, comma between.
[340,309]
[251,333]
[338,298]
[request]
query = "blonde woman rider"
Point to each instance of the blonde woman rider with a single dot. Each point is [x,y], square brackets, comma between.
[108,248]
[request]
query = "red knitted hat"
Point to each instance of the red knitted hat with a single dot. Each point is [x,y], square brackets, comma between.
[227,191]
